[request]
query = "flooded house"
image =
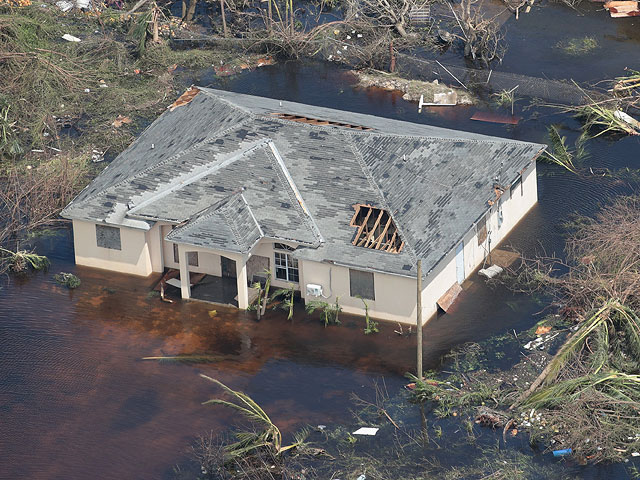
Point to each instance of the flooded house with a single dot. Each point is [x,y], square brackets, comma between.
[225,187]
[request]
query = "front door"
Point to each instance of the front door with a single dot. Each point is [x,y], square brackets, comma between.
[460,263]
[228,267]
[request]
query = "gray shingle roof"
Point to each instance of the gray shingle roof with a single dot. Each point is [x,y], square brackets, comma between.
[301,181]
[230,225]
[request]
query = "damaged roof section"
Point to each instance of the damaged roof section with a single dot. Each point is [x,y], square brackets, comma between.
[376,229]
[185,98]
[315,121]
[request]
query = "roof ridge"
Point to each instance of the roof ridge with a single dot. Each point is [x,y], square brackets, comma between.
[375,131]
[175,156]
[230,221]
[383,201]
[206,170]
[281,169]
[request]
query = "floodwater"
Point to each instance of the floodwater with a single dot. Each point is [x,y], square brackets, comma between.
[77,400]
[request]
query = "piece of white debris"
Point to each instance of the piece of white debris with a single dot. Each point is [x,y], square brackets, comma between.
[70,38]
[491,272]
[86,90]
[366,431]
[635,454]
[359,35]
[348,37]
[64,6]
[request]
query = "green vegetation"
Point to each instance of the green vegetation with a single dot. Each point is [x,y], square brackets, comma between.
[69,280]
[329,312]
[370,326]
[287,295]
[21,260]
[560,153]
[506,98]
[578,46]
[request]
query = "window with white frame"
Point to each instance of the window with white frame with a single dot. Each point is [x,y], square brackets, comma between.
[286,265]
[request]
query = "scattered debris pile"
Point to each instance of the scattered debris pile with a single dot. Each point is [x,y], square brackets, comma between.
[586,401]
[433,93]
[622,8]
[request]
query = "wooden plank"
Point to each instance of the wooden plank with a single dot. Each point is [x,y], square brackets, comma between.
[373,230]
[393,239]
[496,118]
[384,232]
[450,296]
[632,4]
[355,240]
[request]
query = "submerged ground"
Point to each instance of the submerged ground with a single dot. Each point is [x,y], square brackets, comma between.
[78,401]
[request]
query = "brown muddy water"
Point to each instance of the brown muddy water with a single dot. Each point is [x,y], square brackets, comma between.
[77,401]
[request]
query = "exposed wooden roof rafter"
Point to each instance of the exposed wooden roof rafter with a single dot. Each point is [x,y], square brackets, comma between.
[374,231]
[316,121]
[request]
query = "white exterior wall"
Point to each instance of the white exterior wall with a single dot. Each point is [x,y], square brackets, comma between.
[133,257]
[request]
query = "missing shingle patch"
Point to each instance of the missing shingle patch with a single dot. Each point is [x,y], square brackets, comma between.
[316,121]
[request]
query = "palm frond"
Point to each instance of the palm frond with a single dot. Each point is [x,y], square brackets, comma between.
[185,359]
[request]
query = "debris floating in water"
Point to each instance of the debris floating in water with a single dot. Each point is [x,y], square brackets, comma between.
[366,431]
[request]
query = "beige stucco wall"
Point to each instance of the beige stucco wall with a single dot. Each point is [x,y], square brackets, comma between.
[209,262]
[133,258]
[394,295]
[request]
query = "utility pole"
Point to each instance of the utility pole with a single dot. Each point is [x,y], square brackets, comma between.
[419,321]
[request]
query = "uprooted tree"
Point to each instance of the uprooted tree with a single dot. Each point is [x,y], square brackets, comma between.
[591,387]
[482,36]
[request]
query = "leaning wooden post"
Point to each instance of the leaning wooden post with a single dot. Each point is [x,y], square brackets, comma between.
[419,321]
[224,19]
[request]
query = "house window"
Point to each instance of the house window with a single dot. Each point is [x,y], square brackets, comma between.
[192,257]
[286,265]
[282,246]
[108,237]
[481,230]
[361,284]
[516,184]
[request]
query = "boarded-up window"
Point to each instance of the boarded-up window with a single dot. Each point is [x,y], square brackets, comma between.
[108,237]
[481,230]
[192,257]
[362,285]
